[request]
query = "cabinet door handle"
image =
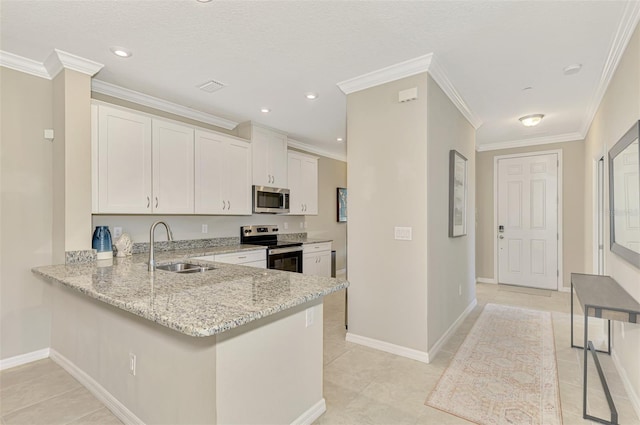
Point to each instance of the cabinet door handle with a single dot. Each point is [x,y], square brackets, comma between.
[148,202]
[243,257]
[156,202]
[223,205]
[228,205]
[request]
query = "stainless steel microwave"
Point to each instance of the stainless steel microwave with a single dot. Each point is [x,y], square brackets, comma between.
[271,200]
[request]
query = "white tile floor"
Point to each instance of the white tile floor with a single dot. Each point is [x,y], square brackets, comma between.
[361,385]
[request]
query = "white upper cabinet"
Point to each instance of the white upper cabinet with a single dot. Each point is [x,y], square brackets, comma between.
[303,184]
[269,155]
[222,174]
[124,162]
[173,151]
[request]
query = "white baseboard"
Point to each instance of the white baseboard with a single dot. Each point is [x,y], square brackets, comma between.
[565,289]
[388,347]
[112,403]
[443,339]
[633,396]
[24,359]
[313,413]
[486,280]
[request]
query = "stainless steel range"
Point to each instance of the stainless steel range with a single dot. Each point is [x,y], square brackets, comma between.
[281,255]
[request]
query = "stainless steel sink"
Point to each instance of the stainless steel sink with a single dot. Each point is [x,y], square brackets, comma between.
[184,268]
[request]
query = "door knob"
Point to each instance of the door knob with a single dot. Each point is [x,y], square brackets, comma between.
[501,236]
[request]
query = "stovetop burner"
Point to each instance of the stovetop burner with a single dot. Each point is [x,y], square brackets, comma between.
[264,235]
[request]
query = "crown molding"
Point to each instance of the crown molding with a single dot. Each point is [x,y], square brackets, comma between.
[438,74]
[160,104]
[384,75]
[425,63]
[59,60]
[56,62]
[22,64]
[560,138]
[315,150]
[627,26]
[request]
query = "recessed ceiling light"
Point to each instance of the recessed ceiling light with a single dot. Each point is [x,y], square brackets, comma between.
[265,110]
[572,69]
[339,139]
[121,51]
[531,120]
[311,96]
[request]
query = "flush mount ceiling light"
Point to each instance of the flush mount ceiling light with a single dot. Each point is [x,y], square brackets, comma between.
[531,120]
[311,96]
[120,51]
[265,110]
[572,69]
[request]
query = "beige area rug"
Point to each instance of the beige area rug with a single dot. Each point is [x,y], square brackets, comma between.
[524,290]
[504,372]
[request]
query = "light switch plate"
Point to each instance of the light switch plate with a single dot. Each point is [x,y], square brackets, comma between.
[402,233]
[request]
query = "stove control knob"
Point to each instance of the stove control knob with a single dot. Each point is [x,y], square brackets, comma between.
[275,230]
[247,231]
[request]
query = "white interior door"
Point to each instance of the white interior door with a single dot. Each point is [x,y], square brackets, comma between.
[528,221]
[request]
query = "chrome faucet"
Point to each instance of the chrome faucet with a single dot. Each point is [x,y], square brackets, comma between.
[152,261]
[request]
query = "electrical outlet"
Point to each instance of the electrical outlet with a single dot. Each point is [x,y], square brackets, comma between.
[286,225]
[305,224]
[301,224]
[132,364]
[402,233]
[205,228]
[309,317]
[117,231]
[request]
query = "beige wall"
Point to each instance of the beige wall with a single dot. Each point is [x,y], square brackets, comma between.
[406,293]
[331,175]
[619,109]
[573,203]
[387,157]
[72,162]
[25,211]
[450,261]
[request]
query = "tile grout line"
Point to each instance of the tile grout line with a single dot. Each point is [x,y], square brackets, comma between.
[85,415]
[43,400]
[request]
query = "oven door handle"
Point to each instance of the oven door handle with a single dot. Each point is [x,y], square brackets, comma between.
[285,250]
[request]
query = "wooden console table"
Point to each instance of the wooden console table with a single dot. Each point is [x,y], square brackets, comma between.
[602,297]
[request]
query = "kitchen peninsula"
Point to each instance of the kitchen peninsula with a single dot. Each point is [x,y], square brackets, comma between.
[231,345]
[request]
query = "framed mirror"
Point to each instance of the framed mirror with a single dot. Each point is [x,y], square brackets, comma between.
[624,196]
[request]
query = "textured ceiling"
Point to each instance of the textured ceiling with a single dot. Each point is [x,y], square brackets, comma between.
[270,53]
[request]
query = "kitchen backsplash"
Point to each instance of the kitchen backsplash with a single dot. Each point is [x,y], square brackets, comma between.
[186,228]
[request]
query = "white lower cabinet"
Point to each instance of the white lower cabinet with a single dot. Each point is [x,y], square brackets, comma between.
[316,259]
[257,258]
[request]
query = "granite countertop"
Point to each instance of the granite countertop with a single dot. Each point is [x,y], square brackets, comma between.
[197,304]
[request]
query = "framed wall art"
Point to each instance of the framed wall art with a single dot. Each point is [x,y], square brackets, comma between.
[342,204]
[457,194]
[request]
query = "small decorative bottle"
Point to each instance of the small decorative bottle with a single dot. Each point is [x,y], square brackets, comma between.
[102,242]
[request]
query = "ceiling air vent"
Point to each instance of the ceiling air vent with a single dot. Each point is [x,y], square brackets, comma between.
[211,86]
